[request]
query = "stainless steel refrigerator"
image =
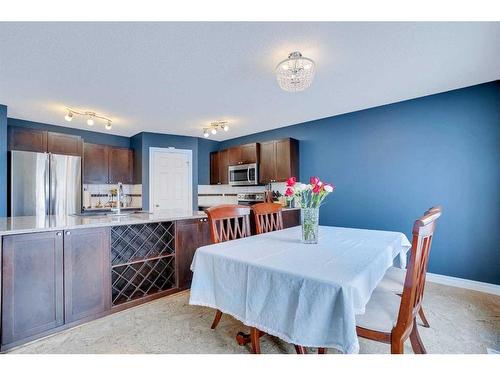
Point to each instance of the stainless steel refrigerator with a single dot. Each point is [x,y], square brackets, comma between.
[45,184]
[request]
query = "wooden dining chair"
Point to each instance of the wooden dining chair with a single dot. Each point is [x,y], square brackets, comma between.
[227,222]
[394,278]
[390,318]
[268,217]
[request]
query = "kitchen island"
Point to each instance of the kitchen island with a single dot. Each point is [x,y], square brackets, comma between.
[61,271]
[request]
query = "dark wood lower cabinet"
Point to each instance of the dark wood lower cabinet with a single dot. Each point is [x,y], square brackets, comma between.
[291,218]
[87,276]
[32,285]
[189,235]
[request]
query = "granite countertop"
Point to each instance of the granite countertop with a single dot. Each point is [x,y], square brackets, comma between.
[30,224]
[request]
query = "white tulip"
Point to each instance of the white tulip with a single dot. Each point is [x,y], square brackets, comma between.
[328,188]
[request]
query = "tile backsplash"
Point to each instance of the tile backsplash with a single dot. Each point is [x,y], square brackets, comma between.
[213,195]
[99,195]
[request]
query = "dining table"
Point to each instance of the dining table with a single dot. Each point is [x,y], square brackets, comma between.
[304,294]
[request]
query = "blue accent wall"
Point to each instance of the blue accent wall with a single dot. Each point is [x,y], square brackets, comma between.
[88,136]
[141,144]
[205,147]
[3,160]
[393,162]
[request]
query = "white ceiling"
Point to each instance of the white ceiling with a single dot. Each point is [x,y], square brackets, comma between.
[177,77]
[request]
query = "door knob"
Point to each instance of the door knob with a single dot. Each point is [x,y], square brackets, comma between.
[157,205]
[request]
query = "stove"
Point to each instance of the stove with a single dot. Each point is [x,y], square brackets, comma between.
[247,199]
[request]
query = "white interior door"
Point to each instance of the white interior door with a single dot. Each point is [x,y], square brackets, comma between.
[170,179]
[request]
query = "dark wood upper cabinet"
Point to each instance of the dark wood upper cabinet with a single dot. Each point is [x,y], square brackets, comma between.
[214,168]
[287,159]
[250,153]
[26,139]
[223,166]
[219,163]
[234,155]
[279,160]
[32,285]
[107,164]
[267,166]
[87,277]
[95,164]
[121,165]
[65,144]
[244,154]
[189,236]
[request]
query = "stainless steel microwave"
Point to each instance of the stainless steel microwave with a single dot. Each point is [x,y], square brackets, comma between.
[245,174]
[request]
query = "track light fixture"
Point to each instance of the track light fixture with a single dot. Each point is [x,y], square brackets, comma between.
[91,116]
[214,126]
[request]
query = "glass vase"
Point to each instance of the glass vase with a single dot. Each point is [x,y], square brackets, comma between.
[310,220]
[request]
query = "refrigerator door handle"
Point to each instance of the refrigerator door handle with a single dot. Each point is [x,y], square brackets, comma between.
[53,184]
[47,185]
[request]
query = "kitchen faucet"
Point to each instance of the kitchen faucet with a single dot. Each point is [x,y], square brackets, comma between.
[119,199]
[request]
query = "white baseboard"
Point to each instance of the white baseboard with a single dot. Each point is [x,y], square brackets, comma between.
[463,283]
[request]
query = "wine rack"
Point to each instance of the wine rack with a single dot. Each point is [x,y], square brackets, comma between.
[142,260]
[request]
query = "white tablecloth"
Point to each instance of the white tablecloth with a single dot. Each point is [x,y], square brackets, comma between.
[304,294]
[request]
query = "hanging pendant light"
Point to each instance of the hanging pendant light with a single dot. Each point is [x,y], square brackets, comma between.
[295,73]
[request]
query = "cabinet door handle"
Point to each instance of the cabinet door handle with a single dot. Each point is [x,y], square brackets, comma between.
[58,233]
[68,233]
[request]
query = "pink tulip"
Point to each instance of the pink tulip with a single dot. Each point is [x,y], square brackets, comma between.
[289,191]
[314,180]
[291,181]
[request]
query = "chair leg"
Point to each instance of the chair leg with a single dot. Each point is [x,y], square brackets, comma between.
[416,342]
[300,349]
[397,346]
[322,350]
[254,336]
[218,315]
[422,316]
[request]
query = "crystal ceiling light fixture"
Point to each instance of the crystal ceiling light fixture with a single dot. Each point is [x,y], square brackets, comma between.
[91,117]
[295,73]
[214,126]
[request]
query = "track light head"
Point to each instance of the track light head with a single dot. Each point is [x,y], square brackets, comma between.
[69,116]
[90,121]
[108,125]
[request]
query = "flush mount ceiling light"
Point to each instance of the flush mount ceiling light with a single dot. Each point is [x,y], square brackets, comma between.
[214,126]
[295,73]
[91,117]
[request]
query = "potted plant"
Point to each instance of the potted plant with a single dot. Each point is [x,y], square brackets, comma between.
[309,197]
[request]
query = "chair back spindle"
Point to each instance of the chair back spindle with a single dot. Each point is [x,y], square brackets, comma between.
[228,222]
[268,217]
